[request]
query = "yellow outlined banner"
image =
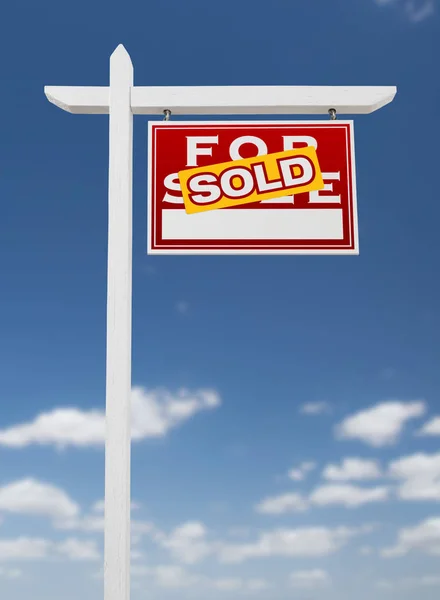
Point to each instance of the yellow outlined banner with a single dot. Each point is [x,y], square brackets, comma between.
[251,180]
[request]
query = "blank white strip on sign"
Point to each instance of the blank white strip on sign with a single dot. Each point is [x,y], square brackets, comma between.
[308,224]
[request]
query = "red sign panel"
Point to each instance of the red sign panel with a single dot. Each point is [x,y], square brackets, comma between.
[317,222]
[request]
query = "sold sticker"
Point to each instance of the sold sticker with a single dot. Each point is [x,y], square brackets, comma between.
[251,180]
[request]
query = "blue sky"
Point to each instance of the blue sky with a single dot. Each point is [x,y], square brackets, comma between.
[307,463]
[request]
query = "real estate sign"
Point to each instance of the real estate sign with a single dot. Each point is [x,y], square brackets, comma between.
[248,187]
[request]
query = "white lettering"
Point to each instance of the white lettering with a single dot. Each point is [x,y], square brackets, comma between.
[172,184]
[247,182]
[262,184]
[193,150]
[247,139]
[289,164]
[200,183]
[315,197]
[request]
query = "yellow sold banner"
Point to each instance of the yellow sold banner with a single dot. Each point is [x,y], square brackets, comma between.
[251,180]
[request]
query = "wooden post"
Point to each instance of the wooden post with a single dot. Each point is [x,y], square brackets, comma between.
[119,300]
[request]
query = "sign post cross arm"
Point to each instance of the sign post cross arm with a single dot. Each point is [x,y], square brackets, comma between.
[228,100]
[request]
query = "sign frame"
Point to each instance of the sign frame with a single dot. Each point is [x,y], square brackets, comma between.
[351,159]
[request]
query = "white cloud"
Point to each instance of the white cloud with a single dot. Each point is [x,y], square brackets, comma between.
[425,580]
[256,585]
[26,548]
[415,10]
[409,582]
[352,469]
[23,548]
[187,543]
[60,427]
[6,573]
[135,571]
[315,408]
[89,523]
[177,577]
[154,414]
[296,474]
[380,425]
[228,585]
[309,579]
[432,427]
[140,528]
[299,473]
[406,583]
[291,543]
[420,476]
[419,10]
[424,537]
[173,576]
[95,524]
[348,495]
[32,497]
[343,494]
[190,543]
[98,506]
[78,549]
[278,505]
[235,584]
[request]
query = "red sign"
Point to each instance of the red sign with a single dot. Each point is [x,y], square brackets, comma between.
[322,221]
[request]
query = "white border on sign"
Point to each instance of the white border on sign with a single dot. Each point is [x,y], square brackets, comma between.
[244,251]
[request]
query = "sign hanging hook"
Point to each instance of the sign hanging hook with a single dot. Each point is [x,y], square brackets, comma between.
[332,113]
[167,114]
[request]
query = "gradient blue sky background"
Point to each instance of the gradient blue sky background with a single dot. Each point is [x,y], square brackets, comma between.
[285,360]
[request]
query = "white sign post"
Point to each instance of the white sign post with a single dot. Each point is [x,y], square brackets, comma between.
[121,100]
